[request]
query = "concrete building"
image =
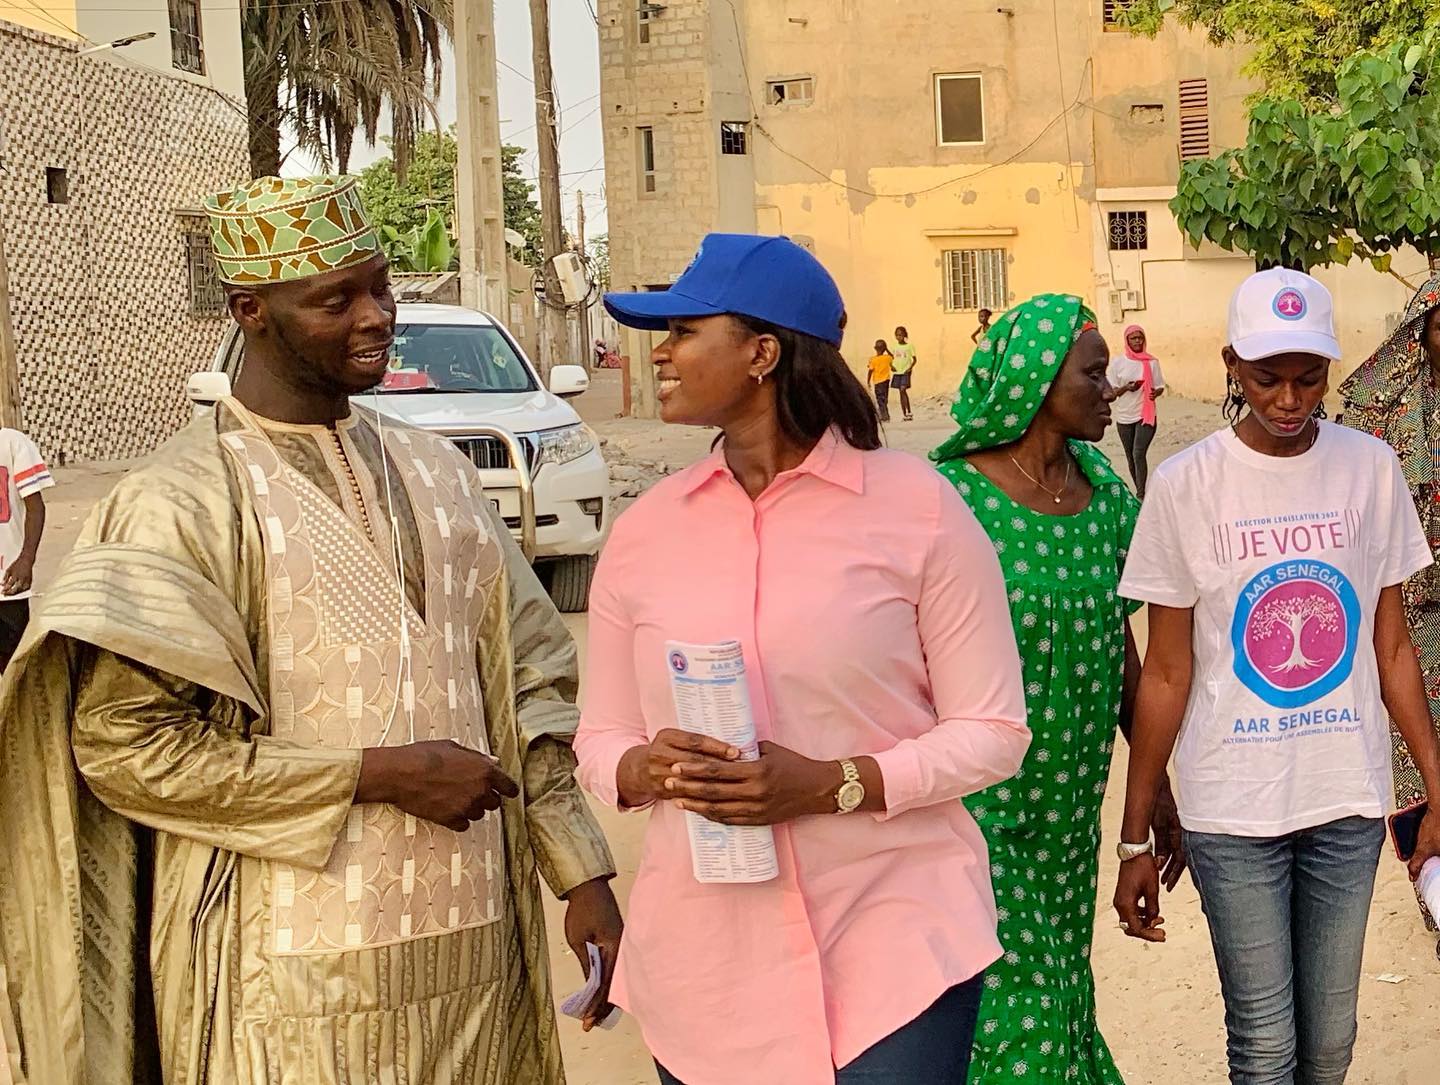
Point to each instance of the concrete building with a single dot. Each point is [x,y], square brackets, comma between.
[938,159]
[107,154]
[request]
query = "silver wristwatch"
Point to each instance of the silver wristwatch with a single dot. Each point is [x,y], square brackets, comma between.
[1134,851]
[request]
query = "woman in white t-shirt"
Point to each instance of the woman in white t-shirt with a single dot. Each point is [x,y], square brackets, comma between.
[1271,555]
[1136,378]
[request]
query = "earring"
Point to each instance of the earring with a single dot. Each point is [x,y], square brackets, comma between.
[759,378]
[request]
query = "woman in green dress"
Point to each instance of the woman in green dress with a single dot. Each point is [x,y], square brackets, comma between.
[1033,398]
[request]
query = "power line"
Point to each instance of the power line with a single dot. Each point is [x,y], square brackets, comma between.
[759,127]
[531,127]
[517,71]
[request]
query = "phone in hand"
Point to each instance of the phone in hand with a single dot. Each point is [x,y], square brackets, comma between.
[1405,829]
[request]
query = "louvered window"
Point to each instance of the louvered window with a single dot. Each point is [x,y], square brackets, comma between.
[1194,119]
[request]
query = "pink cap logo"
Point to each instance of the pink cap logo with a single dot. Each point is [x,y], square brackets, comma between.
[1290,304]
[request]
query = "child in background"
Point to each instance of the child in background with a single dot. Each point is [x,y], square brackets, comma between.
[984,315]
[880,370]
[904,367]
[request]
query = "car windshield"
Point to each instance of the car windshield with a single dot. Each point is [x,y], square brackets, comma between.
[454,358]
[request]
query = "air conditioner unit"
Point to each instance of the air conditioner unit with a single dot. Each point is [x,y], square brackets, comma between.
[570,270]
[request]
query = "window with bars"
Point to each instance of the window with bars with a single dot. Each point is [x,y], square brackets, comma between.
[642,22]
[1129,231]
[1111,13]
[207,294]
[734,137]
[976,279]
[186,50]
[647,159]
[1194,119]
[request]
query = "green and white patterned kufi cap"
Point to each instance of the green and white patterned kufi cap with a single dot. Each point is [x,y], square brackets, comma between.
[279,229]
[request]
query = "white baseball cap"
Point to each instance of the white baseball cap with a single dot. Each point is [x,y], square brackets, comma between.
[1279,311]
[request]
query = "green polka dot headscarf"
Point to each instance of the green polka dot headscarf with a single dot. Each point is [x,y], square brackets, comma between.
[275,230]
[1011,373]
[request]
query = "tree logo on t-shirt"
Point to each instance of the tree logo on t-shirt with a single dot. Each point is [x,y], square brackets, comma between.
[1295,630]
[1290,614]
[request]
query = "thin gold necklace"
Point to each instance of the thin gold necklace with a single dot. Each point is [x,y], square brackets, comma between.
[1059,494]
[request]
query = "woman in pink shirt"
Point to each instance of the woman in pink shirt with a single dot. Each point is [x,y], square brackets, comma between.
[884,681]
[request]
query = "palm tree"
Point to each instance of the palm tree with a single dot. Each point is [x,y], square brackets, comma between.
[328,68]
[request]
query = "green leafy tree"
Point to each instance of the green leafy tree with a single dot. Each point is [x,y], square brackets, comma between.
[404,203]
[600,260]
[522,213]
[1297,46]
[1318,184]
[328,69]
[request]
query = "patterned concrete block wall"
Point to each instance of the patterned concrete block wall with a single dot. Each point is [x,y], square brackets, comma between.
[100,285]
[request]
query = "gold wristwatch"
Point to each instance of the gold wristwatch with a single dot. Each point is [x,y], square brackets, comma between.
[852,791]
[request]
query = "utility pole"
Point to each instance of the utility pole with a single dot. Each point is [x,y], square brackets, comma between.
[587,341]
[555,330]
[480,192]
[9,366]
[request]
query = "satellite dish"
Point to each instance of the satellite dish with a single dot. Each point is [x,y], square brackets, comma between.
[514,238]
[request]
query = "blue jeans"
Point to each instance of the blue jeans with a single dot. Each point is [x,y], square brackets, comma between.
[933,1049]
[1287,918]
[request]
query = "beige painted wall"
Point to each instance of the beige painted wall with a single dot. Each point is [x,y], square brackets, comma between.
[109,20]
[48,16]
[861,169]
[1131,72]
[858,173]
[887,256]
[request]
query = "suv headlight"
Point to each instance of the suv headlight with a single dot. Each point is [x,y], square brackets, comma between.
[564,444]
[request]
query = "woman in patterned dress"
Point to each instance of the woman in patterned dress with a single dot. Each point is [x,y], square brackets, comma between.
[1034,397]
[1394,396]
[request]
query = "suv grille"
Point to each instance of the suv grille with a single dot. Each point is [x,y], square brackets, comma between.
[490,453]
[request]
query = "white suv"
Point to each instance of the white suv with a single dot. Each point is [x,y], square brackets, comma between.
[460,373]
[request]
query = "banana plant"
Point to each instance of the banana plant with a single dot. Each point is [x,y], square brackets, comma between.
[425,248]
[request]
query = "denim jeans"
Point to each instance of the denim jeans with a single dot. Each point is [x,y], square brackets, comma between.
[1287,918]
[933,1049]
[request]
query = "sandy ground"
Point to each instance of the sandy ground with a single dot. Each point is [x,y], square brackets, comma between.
[1159,1006]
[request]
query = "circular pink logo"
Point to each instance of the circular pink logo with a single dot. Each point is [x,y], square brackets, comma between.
[1290,304]
[1296,633]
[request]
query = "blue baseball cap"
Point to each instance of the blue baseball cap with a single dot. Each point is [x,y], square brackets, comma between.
[767,278]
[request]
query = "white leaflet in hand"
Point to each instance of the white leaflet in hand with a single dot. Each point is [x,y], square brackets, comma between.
[1429,885]
[712,698]
[574,1005]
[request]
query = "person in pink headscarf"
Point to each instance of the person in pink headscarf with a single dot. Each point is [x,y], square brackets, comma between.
[1138,383]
